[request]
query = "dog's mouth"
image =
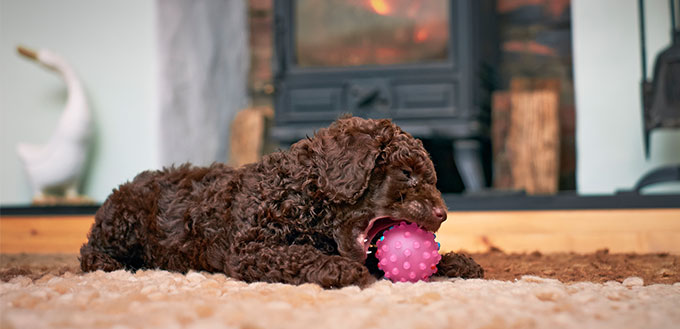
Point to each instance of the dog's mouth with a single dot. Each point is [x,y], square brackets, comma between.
[373,231]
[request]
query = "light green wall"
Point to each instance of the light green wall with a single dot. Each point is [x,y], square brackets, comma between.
[111,45]
[607,73]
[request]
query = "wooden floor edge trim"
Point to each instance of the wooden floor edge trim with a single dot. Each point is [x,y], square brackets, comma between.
[619,230]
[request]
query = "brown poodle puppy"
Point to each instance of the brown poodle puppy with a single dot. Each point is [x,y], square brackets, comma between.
[306,215]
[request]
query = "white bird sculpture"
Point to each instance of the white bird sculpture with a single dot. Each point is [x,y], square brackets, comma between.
[57,166]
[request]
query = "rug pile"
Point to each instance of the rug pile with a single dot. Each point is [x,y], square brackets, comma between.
[160,299]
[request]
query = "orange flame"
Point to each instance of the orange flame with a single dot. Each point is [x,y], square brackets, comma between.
[421,35]
[381,7]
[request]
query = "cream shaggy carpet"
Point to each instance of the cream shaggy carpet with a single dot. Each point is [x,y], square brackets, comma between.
[159,299]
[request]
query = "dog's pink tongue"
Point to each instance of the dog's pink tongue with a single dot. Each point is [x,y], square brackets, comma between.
[377,225]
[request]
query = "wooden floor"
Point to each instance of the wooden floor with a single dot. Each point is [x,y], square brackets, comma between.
[637,230]
[621,230]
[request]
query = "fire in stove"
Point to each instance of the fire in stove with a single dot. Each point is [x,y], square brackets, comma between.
[337,33]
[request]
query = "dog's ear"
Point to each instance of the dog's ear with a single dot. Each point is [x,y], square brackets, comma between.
[341,159]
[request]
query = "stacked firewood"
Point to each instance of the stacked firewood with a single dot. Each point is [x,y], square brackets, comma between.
[526,136]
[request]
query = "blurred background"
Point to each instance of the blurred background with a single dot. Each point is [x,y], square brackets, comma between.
[541,96]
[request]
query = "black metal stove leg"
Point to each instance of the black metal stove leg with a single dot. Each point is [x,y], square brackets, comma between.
[468,157]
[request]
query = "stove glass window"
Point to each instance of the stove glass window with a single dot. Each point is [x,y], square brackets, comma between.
[341,33]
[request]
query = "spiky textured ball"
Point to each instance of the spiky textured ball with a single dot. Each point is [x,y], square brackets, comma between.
[407,253]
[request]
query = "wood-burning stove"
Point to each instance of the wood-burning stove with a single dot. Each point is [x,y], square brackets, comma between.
[426,64]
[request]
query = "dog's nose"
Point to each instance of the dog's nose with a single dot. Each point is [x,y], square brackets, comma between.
[439,214]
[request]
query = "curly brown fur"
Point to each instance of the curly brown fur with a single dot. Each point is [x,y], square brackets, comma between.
[296,216]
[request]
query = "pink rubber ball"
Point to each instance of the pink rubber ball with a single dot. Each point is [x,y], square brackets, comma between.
[407,253]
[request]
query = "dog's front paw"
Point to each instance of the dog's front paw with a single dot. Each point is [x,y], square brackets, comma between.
[338,272]
[455,265]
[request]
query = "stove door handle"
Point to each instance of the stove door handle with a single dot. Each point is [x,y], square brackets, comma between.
[367,95]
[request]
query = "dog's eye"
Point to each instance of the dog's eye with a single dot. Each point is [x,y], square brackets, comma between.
[407,173]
